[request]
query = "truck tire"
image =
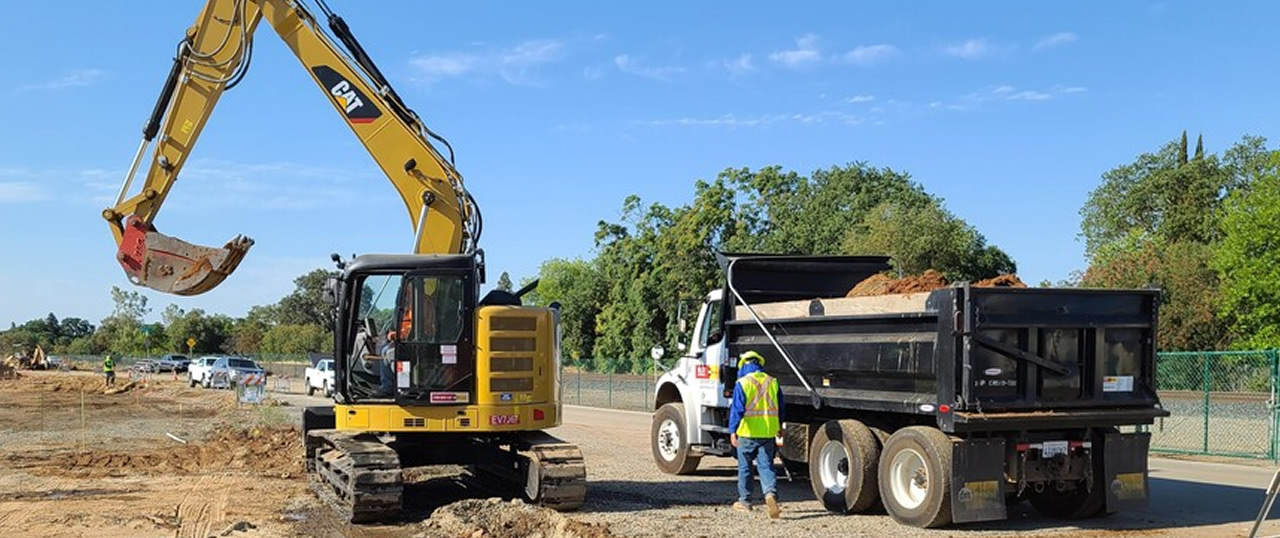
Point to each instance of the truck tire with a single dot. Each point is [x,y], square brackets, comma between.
[328,390]
[671,451]
[842,466]
[192,381]
[915,477]
[311,389]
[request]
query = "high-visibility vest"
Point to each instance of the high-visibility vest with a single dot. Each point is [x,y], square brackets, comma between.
[760,416]
[108,365]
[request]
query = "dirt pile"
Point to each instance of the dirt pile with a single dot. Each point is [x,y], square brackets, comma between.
[495,518]
[883,284]
[276,450]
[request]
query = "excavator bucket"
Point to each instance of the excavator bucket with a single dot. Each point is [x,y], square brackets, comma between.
[171,265]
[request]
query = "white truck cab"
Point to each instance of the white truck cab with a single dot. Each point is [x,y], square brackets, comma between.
[690,401]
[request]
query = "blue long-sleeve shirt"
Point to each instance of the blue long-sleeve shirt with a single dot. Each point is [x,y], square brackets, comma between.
[739,405]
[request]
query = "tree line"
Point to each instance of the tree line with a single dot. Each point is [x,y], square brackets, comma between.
[1201,227]
[300,322]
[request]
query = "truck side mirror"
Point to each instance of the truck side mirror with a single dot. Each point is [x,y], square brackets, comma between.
[330,293]
[684,325]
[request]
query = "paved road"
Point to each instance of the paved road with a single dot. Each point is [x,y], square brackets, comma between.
[1188,497]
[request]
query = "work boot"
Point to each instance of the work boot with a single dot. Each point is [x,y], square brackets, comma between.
[775,511]
[739,506]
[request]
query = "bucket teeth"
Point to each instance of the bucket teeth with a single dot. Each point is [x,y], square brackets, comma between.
[171,265]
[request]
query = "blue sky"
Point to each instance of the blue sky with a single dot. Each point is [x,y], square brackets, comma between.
[1009,111]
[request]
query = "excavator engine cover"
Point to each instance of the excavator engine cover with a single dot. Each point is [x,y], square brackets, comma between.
[171,265]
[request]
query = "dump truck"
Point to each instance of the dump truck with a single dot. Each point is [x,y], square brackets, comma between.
[943,406]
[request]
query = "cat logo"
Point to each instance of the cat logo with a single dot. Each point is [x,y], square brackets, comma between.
[353,103]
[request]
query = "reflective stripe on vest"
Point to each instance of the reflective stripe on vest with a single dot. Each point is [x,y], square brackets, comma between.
[760,416]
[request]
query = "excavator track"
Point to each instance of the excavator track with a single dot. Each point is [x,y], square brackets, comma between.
[547,471]
[356,473]
[556,476]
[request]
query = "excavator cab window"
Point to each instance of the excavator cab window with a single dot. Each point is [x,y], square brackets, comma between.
[433,351]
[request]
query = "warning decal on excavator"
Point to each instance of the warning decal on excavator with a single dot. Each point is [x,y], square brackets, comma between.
[349,98]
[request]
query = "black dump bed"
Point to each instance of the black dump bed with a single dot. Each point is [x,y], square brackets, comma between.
[976,358]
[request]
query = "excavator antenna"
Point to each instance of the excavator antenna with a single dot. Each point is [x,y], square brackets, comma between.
[171,265]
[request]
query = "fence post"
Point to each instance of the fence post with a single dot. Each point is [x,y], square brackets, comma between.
[579,384]
[611,386]
[1205,381]
[1272,357]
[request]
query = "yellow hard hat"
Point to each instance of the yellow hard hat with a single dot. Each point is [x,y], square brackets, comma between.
[748,356]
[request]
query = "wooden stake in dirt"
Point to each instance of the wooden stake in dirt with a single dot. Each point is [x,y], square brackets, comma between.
[82,419]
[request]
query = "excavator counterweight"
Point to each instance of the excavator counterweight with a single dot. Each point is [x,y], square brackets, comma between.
[171,265]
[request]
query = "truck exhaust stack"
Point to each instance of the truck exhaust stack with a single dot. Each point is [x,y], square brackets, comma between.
[171,265]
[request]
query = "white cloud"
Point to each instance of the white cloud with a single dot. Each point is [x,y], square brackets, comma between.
[71,79]
[21,191]
[631,66]
[741,65]
[871,54]
[861,99]
[515,65]
[733,121]
[1012,93]
[804,55]
[972,49]
[1060,38]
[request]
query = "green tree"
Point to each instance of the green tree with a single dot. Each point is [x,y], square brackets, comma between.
[211,332]
[577,286]
[1247,259]
[504,282]
[927,237]
[306,306]
[296,339]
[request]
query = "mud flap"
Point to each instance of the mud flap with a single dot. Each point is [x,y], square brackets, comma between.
[795,444]
[1125,470]
[977,480]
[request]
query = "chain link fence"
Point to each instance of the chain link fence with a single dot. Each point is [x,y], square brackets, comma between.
[1220,404]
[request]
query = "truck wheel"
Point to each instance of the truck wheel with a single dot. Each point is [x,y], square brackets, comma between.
[915,477]
[842,466]
[204,380]
[192,381]
[311,389]
[670,449]
[328,391]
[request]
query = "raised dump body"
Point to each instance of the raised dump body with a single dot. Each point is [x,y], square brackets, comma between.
[946,405]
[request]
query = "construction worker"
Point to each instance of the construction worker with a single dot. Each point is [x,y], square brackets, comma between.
[755,417]
[109,369]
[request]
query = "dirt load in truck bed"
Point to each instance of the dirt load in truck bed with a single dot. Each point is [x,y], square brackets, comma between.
[883,284]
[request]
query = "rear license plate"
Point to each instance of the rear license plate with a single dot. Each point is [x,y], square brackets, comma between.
[1053,448]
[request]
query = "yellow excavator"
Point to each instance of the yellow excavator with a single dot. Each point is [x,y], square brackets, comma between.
[426,371]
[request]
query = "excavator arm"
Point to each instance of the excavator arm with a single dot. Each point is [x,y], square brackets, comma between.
[213,57]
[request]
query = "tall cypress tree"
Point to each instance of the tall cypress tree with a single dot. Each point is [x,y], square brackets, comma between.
[1199,147]
[1182,149]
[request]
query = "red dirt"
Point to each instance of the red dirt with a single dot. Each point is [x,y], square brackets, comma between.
[883,284]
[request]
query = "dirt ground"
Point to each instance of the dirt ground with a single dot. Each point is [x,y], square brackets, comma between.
[162,459]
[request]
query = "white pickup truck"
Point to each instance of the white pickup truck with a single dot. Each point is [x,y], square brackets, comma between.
[198,371]
[320,377]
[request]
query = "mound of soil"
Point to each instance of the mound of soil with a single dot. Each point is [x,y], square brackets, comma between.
[1002,281]
[268,450]
[495,518]
[883,284]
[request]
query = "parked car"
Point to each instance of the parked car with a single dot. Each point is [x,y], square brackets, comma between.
[320,377]
[172,362]
[143,365]
[227,370]
[198,371]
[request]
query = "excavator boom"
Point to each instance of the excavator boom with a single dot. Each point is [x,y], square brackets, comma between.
[213,57]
